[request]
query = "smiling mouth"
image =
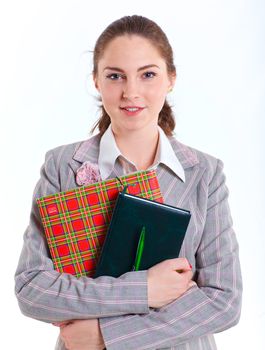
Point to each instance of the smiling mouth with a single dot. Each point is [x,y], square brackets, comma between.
[132,109]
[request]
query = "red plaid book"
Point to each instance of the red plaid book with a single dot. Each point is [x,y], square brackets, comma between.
[76,221]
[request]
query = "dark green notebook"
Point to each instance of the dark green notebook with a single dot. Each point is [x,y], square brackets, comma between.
[165,228]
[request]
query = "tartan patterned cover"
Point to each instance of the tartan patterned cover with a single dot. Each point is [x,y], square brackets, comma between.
[76,221]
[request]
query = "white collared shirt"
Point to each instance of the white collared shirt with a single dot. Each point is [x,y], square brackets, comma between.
[109,152]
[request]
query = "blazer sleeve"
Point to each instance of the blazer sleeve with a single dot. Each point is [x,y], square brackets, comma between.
[50,296]
[211,306]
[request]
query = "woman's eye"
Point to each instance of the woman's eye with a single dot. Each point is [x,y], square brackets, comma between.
[117,76]
[149,74]
[114,76]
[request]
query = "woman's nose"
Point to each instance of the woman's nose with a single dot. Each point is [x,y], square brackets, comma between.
[130,90]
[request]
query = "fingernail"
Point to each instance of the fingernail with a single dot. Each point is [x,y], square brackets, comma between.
[190,266]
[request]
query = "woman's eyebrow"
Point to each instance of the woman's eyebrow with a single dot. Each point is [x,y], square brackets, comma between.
[117,69]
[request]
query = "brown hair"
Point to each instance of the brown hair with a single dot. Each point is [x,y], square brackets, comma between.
[144,27]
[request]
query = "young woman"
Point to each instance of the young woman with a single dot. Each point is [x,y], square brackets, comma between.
[159,308]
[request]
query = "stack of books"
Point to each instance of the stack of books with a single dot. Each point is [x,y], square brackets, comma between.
[76,221]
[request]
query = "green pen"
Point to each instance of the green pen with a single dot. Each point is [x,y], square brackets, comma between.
[139,251]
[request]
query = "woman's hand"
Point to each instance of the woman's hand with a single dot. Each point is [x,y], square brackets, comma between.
[167,281]
[81,335]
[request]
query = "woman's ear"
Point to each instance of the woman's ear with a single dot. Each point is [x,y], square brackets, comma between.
[96,83]
[171,82]
[172,79]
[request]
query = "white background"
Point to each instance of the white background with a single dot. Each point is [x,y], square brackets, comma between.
[47,99]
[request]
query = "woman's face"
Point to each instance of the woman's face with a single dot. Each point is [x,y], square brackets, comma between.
[133,82]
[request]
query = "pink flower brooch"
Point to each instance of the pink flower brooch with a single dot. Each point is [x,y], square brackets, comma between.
[87,174]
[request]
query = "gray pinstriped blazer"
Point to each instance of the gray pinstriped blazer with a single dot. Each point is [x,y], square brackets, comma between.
[126,322]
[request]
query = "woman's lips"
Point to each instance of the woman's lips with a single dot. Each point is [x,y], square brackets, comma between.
[131,111]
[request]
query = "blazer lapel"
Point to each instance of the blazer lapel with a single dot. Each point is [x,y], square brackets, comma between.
[174,190]
[88,151]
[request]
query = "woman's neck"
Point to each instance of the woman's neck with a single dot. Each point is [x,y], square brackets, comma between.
[139,146]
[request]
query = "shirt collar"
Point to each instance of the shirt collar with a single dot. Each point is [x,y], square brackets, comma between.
[166,155]
[109,152]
